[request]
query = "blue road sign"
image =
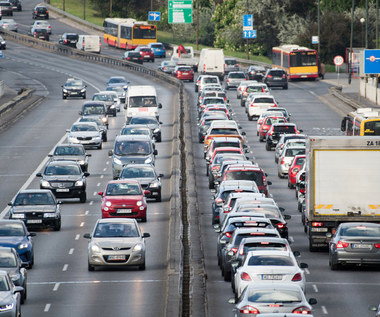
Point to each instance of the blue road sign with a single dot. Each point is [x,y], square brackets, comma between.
[371,61]
[154,16]
[247,22]
[1,54]
[251,34]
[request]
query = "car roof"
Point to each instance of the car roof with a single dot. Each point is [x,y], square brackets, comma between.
[226,139]
[30,191]
[70,145]
[133,137]
[63,162]
[117,220]
[274,286]
[94,102]
[245,167]
[85,123]
[123,181]
[237,183]
[265,239]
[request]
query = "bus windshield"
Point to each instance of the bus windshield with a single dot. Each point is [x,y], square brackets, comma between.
[144,32]
[305,58]
[372,127]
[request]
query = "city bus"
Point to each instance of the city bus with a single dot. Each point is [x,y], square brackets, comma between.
[297,61]
[363,121]
[128,33]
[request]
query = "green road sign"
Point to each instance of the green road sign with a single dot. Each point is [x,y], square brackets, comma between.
[180,11]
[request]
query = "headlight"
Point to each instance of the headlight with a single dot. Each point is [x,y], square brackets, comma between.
[18,216]
[117,161]
[139,203]
[23,246]
[137,248]
[3,42]
[72,139]
[156,130]
[64,90]
[104,119]
[49,215]
[95,249]
[45,184]
[6,307]
[83,90]
[112,107]
[79,183]
[108,204]
[148,160]
[154,184]
[81,162]
[14,277]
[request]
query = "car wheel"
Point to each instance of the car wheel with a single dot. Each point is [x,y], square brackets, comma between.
[200,140]
[91,267]
[159,198]
[227,276]
[285,87]
[83,197]
[64,97]
[57,225]
[334,266]
[267,147]
[104,138]
[196,88]
[299,207]
[100,146]
[143,219]
[250,118]
[242,103]
[142,267]
[210,184]
[84,96]
[279,174]
[261,139]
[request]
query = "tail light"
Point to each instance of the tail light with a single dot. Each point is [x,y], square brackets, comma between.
[65,41]
[47,11]
[234,250]
[377,245]
[253,105]
[269,76]
[297,277]
[302,310]
[280,226]
[237,65]
[128,58]
[245,276]
[342,245]
[302,191]
[228,234]
[317,224]
[204,67]
[228,80]
[248,310]
[218,201]
[284,76]
[282,161]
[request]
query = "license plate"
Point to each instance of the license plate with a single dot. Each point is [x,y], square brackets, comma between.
[116,257]
[185,73]
[271,277]
[34,221]
[319,229]
[124,211]
[62,190]
[361,246]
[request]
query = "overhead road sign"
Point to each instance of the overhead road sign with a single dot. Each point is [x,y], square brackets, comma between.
[154,16]
[180,11]
[249,34]
[247,22]
[371,61]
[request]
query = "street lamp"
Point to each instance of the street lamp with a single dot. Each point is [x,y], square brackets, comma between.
[362,20]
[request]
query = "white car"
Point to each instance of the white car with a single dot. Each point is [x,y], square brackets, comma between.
[8,24]
[286,157]
[258,104]
[271,266]
[283,139]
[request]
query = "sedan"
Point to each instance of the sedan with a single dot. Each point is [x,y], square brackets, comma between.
[10,297]
[124,199]
[71,152]
[37,208]
[258,298]
[116,242]
[271,266]
[146,175]
[117,80]
[11,263]
[294,168]
[14,234]
[355,243]
[101,125]
[86,133]
[132,56]
[74,88]
[65,179]
[8,24]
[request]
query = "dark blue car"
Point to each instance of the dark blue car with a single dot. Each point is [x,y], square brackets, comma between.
[14,234]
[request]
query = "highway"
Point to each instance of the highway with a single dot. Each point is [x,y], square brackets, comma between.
[60,285]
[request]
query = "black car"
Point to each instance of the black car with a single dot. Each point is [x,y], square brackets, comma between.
[276,78]
[256,72]
[146,175]
[71,152]
[151,122]
[16,4]
[69,39]
[275,132]
[99,122]
[3,43]
[65,179]
[6,8]
[74,88]
[42,34]
[40,12]
[132,56]
[37,208]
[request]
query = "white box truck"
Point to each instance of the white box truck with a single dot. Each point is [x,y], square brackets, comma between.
[211,62]
[342,184]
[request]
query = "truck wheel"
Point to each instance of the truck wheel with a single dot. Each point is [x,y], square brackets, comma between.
[311,248]
[267,147]
[250,118]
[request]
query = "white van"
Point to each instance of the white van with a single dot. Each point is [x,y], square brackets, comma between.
[89,43]
[141,100]
[211,62]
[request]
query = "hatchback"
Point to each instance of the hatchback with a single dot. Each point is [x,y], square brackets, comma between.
[231,65]
[167,67]
[74,88]
[276,78]
[146,52]
[267,123]
[259,103]
[184,73]
[274,134]
[286,158]
[233,79]
[10,297]
[40,12]
[158,49]
[294,168]
[132,56]
[69,39]
[256,72]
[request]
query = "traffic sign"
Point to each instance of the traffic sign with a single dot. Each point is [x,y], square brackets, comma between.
[371,61]
[1,54]
[247,22]
[250,34]
[338,60]
[154,16]
[314,40]
[180,11]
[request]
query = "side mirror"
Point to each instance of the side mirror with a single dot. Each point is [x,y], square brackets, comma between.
[100,193]
[282,209]
[303,265]
[39,175]
[110,153]
[159,106]
[269,182]
[287,217]
[155,152]
[224,242]
[312,301]
[296,253]
[160,175]
[86,174]
[10,204]
[17,289]
[80,112]
[160,122]
[146,235]
[67,130]
[32,234]
[231,300]
[300,130]
[59,202]
[88,154]
[50,155]
[87,236]
[243,133]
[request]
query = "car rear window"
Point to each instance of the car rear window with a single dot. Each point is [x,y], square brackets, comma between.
[134,54]
[145,49]
[285,129]
[276,73]
[72,37]
[184,69]
[271,260]
[264,100]
[300,161]
[361,231]
[294,152]
[255,176]
[230,62]
[236,75]
[210,80]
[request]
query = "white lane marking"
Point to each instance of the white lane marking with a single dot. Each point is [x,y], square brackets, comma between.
[71,251]
[64,269]
[104,169]
[81,224]
[315,288]
[95,193]
[56,286]
[99,282]
[291,239]
[98,184]
[86,213]
[324,310]
[91,203]
[47,307]
[101,176]
[307,271]
[77,237]
[107,162]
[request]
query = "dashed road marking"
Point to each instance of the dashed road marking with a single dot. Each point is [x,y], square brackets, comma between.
[65,267]
[315,288]
[71,251]
[77,237]
[56,286]
[47,307]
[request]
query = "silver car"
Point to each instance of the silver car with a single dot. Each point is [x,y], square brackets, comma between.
[116,242]
[258,298]
[282,141]
[86,133]
[286,158]
[8,24]
[233,79]
[10,297]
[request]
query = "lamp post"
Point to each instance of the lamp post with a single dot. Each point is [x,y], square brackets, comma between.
[362,20]
[351,39]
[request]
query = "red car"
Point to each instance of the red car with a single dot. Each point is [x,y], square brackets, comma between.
[267,123]
[294,168]
[146,52]
[184,73]
[221,108]
[124,199]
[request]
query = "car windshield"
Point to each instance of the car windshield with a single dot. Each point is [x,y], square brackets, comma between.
[254,89]
[69,150]
[111,230]
[135,131]
[83,127]
[222,131]
[11,229]
[123,189]
[270,260]
[255,176]
[274,296]
[34,199]
[143,120]
[271,121]
[4,285]
[361,231]
[116,80]
[285,129]
[93,109]
[74,83]
[7,259]
[267,211]
[146,101]
[132,148]
[138,172]
[62,170]
[102,97]
[230,62]
[277,73]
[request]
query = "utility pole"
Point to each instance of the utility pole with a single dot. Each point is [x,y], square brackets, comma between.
[110,8]
[197,26]
[247,39]
[319,27]
[84,9]
[63,5]
[377,24]
[366,24]
[351,38]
